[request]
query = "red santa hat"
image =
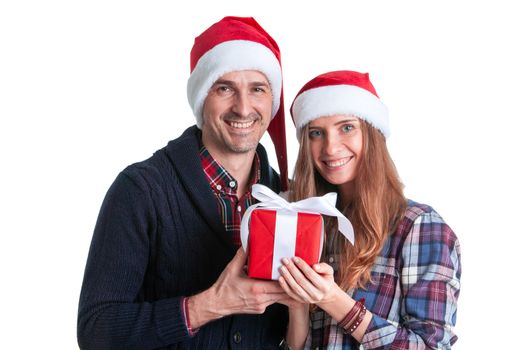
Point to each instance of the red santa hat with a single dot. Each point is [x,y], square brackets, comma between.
[340,92]
[234,44]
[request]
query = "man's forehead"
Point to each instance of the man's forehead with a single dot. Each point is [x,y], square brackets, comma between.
[250,76]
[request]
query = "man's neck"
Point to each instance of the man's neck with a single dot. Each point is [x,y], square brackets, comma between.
[239,166]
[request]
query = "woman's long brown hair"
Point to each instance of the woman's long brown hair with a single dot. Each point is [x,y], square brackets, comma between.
[376,207]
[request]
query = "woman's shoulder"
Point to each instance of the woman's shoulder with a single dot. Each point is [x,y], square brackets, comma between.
[415,209]
[425,220]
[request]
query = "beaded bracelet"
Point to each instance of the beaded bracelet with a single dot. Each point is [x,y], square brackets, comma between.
[351,314]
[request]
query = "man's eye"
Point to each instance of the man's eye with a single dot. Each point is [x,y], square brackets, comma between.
[259,89]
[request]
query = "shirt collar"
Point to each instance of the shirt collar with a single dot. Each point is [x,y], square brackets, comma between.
[218,177]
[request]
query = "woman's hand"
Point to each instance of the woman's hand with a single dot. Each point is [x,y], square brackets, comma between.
[306,284]
[298,318]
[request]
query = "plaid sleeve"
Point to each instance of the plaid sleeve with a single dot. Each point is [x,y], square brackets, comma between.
[430,282]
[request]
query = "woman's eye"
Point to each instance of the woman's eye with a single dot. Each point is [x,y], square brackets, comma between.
[314,133]
[348,127]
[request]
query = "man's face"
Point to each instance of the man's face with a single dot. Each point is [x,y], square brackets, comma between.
[236,112]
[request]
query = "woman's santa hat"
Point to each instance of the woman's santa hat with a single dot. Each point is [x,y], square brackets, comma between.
[235,44]
[340,92]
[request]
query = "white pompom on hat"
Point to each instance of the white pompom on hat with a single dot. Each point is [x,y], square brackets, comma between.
[235,44]
[340,92]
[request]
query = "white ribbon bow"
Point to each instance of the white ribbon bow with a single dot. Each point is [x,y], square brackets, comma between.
[314,205]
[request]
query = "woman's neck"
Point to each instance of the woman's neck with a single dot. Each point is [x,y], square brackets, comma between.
[346,193]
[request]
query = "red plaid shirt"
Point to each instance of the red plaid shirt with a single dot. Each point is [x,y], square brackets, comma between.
[231,208]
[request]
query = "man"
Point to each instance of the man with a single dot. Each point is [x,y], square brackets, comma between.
[160,273]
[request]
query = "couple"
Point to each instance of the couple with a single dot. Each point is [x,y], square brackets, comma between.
[164,270]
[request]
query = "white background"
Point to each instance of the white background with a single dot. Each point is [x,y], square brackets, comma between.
[87,88]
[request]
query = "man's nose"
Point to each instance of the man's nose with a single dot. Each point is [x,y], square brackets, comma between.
[242,104]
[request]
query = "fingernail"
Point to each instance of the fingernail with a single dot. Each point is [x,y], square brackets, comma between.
[285,261]
[283,269]
[295,259]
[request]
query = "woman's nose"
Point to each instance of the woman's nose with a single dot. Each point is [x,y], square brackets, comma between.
[332,144]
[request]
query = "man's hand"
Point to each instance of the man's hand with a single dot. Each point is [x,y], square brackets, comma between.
[233,293]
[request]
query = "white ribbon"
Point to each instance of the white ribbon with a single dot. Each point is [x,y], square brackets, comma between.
[314,205]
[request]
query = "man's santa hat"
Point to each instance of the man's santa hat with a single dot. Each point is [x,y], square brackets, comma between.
[340,92]
[235,44]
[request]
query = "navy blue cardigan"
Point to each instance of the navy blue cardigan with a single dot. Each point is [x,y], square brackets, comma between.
[159,237]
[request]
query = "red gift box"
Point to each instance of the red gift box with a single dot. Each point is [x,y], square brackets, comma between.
[275,234]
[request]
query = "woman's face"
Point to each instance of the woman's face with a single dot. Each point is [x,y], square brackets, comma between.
[336,144]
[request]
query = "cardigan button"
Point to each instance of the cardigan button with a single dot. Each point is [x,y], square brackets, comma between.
[237,337]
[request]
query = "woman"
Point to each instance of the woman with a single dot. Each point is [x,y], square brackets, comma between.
[397,287]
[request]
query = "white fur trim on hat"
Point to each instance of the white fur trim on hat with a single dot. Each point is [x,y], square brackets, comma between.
[340,99]
[227,57]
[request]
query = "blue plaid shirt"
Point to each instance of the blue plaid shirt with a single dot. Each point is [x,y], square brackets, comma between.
[412,294]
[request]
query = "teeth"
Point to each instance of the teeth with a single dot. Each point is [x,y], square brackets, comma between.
[337,163]
[238,125]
